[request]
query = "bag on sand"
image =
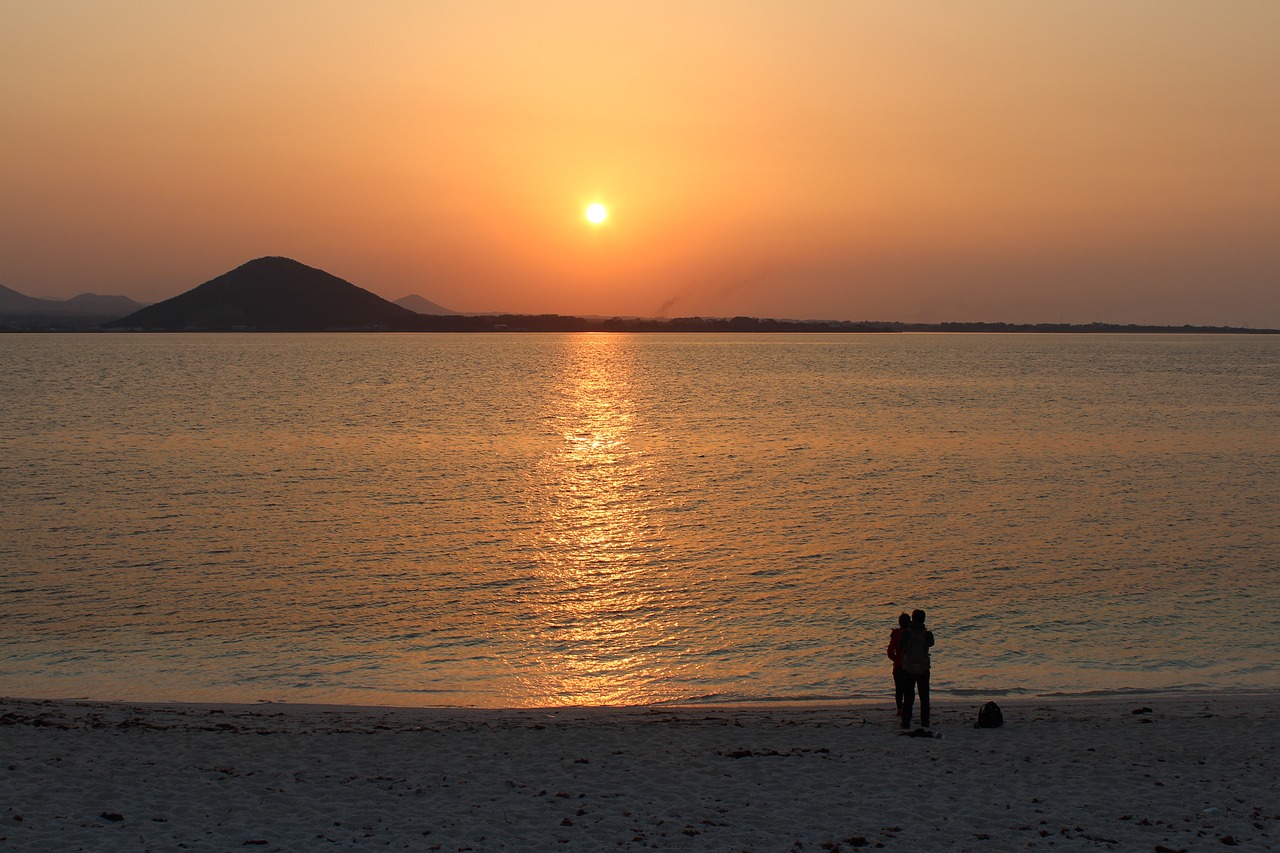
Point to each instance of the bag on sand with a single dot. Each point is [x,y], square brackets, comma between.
[989,717]
[915,651]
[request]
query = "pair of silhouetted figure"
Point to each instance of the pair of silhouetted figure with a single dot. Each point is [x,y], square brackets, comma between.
[909,646]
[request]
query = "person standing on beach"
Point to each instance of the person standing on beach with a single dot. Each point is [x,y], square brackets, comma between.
[895,654]
[915,641]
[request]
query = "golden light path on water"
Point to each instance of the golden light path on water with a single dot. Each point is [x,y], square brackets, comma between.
[603,619]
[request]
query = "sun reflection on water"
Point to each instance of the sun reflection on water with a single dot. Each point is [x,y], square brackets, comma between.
[603,615]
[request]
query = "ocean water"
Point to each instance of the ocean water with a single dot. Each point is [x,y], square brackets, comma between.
[538,519]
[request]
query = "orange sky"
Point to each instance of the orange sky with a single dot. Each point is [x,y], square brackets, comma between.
[1037,162]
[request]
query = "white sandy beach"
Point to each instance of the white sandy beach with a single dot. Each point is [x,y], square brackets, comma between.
[1152,773]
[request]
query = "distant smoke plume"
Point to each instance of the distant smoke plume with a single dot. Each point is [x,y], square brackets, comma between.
[661,313]
[718,289]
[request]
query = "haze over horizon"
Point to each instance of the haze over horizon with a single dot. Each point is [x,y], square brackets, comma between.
[919,162]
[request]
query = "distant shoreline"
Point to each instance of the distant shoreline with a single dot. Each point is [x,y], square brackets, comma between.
[279,294]
[467,323]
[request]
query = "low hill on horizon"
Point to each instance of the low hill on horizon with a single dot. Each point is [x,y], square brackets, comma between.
[272,294]
[421,305]
[102,305]
[17,310]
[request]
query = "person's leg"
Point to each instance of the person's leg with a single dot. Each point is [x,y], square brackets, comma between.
[899,689]
[922,684]
[908,697]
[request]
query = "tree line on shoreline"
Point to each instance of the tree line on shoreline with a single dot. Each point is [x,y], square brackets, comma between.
[565,323]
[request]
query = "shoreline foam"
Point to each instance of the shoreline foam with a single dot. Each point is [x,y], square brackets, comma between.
[1146,772]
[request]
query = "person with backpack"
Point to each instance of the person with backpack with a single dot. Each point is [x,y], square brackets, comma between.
[895,654]
[915,641]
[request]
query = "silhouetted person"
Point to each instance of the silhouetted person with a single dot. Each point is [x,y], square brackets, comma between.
[895,654]
[915,641]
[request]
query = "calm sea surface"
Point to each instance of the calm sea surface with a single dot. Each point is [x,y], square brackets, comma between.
[527,520]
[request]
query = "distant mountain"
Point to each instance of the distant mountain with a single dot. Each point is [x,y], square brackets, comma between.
[273,294]
[419,305]
[98,304]
[18,310]
[13,302]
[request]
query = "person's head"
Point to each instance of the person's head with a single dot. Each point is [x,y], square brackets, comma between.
[904,620]
[917,617]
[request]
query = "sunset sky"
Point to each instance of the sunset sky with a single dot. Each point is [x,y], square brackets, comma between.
[1005,161]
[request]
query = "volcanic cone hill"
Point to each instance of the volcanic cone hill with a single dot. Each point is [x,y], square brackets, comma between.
[272,294]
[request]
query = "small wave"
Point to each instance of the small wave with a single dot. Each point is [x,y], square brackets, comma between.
[985,691]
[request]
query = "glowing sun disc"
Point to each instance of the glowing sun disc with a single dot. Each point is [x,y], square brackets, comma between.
[596,214]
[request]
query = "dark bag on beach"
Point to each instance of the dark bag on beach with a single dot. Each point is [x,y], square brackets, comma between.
[989,717]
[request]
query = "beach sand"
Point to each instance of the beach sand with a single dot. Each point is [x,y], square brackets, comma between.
[1152,773]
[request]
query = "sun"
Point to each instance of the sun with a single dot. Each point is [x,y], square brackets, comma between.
[596,213]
